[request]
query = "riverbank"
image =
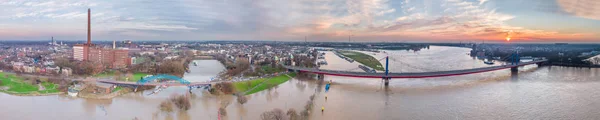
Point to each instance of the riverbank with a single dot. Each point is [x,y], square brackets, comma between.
[134,77]
[364,59]
[117,92]
[17,85]
[575,65]
[203,57]
[257,85]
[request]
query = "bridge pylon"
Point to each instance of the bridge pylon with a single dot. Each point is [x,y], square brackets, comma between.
[386,79]
[515,59]
[321,76]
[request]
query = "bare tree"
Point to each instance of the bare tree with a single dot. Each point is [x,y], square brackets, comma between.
[275,114]
[222,111]
[166,106]
[182,102]
[88,68]
[240,66]
[292,114]
[118,75]
[189,53]
[174,67]
[62,62]
[241,98]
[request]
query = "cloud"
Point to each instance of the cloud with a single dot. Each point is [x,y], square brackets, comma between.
[589,9]
[40,9]
[153,27]
[277,19]
[482,1]
[70,15]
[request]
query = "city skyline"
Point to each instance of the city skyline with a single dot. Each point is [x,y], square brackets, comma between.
[326,20]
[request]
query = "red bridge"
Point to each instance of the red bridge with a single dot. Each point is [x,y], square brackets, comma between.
[387,76]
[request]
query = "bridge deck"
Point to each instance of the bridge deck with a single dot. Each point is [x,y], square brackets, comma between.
[412,75]
[153,84]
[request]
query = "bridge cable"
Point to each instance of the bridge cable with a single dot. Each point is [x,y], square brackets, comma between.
[352,69]
[411,66]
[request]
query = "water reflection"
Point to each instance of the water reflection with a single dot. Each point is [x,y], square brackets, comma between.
[533,93]
[514,76]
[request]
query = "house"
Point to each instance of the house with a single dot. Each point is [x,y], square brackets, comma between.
[52,69]
[67,71]
[28,69]
[105,88]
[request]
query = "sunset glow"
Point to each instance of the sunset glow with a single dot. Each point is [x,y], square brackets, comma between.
[324,20]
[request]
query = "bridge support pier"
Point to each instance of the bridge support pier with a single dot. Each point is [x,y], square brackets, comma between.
[540,64]
[320,76]
[386,81]
[514,69]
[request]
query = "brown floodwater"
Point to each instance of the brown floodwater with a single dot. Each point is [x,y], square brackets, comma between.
[532,93]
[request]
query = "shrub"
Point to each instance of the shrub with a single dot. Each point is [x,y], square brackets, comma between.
[241,98]
[182,102]
[275,114]
[249,84]
[166,106]
[293,114]
[222,111]
[304,115]
[213,91]
[225,87]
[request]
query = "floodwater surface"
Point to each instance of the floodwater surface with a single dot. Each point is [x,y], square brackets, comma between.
[545,92]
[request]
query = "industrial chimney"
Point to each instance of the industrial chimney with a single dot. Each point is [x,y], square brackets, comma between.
[89,33]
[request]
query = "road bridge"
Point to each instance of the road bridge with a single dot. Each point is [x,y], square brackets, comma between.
[386,76]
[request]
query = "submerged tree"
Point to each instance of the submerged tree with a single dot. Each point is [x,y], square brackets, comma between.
[275,114]
[166,106]
[182,102]
[241,98]
[292,114]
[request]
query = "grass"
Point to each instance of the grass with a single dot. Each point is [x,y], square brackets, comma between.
[137,76]
[270,82]
[270,70]
[364,59]
[117,89]
[106,74]
[17,85]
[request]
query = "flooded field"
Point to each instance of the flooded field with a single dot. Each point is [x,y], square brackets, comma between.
[533,93]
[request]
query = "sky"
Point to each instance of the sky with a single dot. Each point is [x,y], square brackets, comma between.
[293,20]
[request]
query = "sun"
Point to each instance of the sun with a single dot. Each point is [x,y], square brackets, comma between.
[507,38]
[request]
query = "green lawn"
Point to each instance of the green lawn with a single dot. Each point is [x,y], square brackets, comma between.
[137,76]
[270,70]
[272,81]
[106,74]
[117,89]
[364,59]
[17,85]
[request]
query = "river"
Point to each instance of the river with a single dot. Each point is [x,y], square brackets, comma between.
[532,93]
